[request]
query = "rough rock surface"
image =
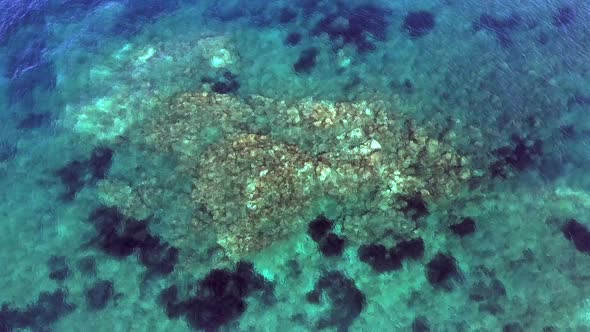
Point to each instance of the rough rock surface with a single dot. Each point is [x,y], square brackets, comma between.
[261,166]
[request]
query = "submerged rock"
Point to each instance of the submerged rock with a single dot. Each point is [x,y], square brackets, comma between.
[259,179]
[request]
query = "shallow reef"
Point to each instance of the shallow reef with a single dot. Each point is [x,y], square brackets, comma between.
[332,150]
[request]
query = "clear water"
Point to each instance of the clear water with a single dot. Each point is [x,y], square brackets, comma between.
[294,165]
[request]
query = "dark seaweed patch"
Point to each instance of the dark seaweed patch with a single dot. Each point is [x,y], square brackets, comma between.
[87,265]
[34,120]
[120,236]
[405,86]
[355,26]
[419,23]
[306,61]
[465,227]
[410,249]
[100,162]
[502,27]
[159,257]
[487,291]
[578,234]
[319,227]
[287,15]
[568,131]
[293,39]
[220,298]
[513,327]
[58,268]
[520,156]
[484,291]
[313,297]
[578,99]
[99,294]
[441,270]
[169,299]
[294,268]
[382,259]
[346,300]
[420,324]
[329,243]
[543,38]
[7,151]
[497,24]
[332,245]
[72,178]
[415,208]
[36,316]
[564,16]
[226,83]
[76,174]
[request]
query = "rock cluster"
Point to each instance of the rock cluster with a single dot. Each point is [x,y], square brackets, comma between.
[261,166]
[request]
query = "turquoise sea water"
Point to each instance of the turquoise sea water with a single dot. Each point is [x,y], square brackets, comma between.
[305,165]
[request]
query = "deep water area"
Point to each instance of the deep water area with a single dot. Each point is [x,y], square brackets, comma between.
[303,165]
